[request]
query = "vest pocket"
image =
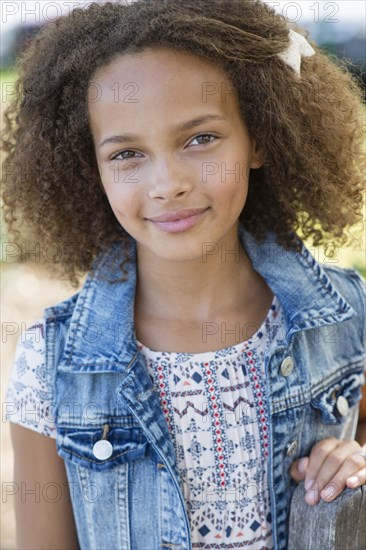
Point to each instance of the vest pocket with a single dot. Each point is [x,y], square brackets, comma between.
[78,445]
[335,402]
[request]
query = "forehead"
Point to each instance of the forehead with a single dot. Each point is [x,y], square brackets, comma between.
[168,78]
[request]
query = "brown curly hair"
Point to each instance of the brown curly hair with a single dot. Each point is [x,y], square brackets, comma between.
[310,129]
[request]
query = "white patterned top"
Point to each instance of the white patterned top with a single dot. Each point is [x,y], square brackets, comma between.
[28,398]
[215,407]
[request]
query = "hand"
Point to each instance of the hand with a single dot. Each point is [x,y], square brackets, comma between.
[331,466]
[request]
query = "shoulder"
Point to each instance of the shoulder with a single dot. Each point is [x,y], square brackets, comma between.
[350,283]
[352,286]
[61,309]
[28,396]
[348,278]
[31,341]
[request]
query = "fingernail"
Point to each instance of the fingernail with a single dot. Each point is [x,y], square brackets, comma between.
[308,484]
[328,492]
[303,464]
[312,497]
[353,480]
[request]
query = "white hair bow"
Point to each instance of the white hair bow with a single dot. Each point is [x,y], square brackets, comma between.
[299,47]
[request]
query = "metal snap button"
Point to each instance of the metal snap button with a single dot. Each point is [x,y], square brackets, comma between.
[291,449]
[342,405]
[287,366]
[102,449]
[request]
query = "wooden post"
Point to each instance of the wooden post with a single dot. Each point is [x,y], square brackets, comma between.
[336,525]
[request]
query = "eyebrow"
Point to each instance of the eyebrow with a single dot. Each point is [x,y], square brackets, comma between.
[180,128]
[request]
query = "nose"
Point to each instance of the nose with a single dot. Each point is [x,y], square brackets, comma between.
[169,180]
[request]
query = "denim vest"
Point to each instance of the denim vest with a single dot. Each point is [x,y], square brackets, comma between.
[128,495]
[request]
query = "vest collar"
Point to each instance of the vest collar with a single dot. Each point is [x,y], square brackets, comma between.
[102,336]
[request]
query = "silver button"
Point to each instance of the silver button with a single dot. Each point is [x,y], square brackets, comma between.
[287,366]
[102,449]
[291,449]
[342,405]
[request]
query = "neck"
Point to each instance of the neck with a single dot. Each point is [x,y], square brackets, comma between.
[196,290]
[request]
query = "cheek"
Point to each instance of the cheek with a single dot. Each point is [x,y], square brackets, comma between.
[231,174]
[232,184]
[232,190]
[124,199]
[115,176]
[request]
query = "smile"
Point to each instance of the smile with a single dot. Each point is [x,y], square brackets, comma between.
[185,222]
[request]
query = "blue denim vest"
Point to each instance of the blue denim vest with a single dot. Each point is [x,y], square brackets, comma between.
[133,499]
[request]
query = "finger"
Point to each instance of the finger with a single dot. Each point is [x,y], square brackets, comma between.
[353,463]
[359,478]
[339,464]
[298,468]
[318,454]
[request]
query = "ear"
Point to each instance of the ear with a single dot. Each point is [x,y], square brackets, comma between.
[257,156]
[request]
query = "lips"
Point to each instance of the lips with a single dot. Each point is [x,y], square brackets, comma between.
[176,215]
[179,220]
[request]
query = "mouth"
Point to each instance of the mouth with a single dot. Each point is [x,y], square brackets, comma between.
[175,215]
[178,221]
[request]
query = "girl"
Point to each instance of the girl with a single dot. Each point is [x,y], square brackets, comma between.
[172,150]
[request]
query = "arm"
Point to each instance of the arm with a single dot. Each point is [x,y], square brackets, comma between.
[46,522]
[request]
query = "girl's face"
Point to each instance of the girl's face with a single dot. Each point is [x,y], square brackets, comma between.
[169,137]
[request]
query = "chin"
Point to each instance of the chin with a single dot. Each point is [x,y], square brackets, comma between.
[176,252]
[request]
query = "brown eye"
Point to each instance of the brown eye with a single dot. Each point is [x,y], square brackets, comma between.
[207,142]
[121,153]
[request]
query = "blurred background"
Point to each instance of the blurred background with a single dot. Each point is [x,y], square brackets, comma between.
[26,288]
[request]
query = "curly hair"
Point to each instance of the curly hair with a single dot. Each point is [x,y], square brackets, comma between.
[310,129]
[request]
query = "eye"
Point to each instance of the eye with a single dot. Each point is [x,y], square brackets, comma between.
[119,156]
[204,136]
